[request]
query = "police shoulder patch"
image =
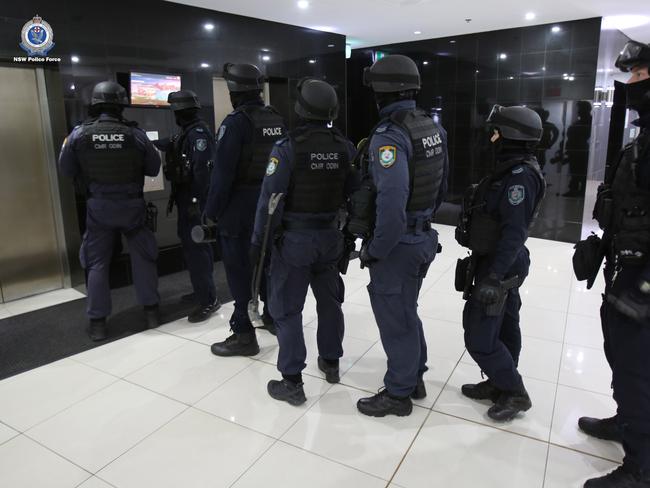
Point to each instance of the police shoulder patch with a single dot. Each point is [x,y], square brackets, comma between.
[222,131]
[199,129]
[272,166]
[518,170]
[516,194]
[201,144]
[387,156]
[381,130]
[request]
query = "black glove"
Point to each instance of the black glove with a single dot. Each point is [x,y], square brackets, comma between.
[254,254]
[489,290]
[634,303]
[365,257]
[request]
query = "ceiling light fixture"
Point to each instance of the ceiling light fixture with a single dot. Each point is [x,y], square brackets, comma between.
[555,29]
[72,87]
[303,4]
[266,58]
[503,56]
[209,27]
[312,61]
[74,58]
[330,45]
[417,33]
[205,65]
[425,62]
[530,16]
[452,42]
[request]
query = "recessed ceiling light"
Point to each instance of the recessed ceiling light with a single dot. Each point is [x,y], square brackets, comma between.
[622,22]
[266,58]
[208,27]
[543,68]
[72,87]
[74,58]
[511,77]
[425,62]
[417,33]
[330,45]
[205,65]
[503,56]
[452,42]
[312,61]
[303,4]
[555,29]
[530,16]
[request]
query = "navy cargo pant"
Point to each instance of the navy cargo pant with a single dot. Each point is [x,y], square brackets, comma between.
[394,288]
[105,221]
[495,342]
[199,258]
[627,345]
[301,259]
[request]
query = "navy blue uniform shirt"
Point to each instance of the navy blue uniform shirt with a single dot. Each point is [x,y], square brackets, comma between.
[392,184]
[70,166]
[513,200]
[278,182]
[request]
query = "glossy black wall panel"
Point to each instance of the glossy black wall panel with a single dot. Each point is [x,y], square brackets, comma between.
[548,68]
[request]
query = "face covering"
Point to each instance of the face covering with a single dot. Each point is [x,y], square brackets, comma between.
[638,96]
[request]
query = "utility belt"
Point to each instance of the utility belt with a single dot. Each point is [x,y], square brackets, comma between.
[417,227]
[115,195]
[313,224]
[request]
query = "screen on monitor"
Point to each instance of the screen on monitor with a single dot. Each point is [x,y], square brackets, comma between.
[152,89]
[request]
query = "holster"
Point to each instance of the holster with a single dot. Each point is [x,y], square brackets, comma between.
[604,208]
[362,210]
[588,259]
[462,268]
[496,309]
[349,248]
[151,217]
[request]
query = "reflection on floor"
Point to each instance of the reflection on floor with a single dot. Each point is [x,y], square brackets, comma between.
[158,410]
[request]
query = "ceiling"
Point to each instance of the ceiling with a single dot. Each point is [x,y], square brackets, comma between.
[374,22]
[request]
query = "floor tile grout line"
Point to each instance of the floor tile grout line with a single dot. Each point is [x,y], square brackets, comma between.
[45,446]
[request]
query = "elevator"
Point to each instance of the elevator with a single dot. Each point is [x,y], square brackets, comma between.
[32,258]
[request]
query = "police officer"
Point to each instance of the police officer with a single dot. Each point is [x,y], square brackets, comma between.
[311,167]
[623,211]
[111,156]
[244,142]
[188,160]
[494,226]
[405,179]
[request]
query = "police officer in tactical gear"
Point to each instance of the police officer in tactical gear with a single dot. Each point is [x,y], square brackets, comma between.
[189,156]
[404,180]
[623,212]
[496,216]
[112,156]
[244,142]
[312,168]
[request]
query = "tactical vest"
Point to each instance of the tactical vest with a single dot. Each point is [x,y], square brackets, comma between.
[178,166]
[479,230]
[108,153]
[321,166]
[268,128]
[623,207]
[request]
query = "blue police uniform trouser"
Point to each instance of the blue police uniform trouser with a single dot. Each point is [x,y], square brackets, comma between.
[105,221]
[199,258]
[495,342]
[301,259]
[628,349]
[394,288]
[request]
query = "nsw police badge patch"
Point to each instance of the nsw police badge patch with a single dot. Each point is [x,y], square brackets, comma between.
[201,144]
[387,156]
[222,131]
[516,194]
[273,165]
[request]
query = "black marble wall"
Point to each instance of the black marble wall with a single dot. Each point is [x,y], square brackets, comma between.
[550,68]
[154,36]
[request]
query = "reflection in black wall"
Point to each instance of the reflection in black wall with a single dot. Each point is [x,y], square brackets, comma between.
[548,68]
[153,36]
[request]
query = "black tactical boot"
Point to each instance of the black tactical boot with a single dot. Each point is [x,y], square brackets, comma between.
[287,391]
[383,404]
[420,391]
[508,405]
[330,368]
[97,329]
[152,316]
[481,391]
[606,429]
[203,313]
[269,325]
[621,477]
[237,345]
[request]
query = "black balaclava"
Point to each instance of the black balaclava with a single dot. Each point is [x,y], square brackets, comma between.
[239,98]
[186,116]
[638,97]
[504,150]
[106,108]
[385,99]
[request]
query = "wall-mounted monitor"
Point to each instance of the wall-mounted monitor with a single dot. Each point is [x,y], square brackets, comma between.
[152,89]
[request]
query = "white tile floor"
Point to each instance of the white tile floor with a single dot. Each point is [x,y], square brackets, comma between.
[158,410]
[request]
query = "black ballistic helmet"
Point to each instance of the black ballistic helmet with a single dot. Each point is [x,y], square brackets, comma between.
[243,77]
[516,123]
[109,92]
[317,100]
[183,99]
[392,74]
[633,54]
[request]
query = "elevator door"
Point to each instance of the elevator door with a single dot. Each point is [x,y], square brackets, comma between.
[30,261]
